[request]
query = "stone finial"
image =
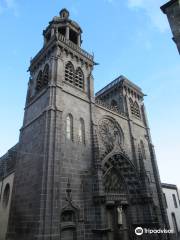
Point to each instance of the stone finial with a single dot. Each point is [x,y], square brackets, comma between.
[64,13]
[68,191]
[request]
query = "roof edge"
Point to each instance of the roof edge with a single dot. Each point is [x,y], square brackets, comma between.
[168,4]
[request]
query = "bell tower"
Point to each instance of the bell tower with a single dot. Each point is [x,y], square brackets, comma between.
[55,147]
[64,26]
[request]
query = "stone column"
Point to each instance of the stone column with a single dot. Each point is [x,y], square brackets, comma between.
[52,31]
[79,40]
[67,33]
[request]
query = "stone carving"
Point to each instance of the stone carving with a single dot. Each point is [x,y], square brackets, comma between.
[120,220]
[110,133]
[113,183]
[110,107]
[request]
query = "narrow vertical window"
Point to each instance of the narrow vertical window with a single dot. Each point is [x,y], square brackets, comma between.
[131,105]
[69,127]
[174,199]
[79,79]
[136,110]
[69,73]
[81,131]
[46,75]
[39,81]
[6,195]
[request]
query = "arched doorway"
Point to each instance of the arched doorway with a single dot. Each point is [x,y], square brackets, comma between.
[120,184]
[116,205]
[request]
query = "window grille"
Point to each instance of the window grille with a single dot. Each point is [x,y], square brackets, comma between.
[79,79]
[69,73]
[73,77]
[134,107]
[131,105]
[136,110]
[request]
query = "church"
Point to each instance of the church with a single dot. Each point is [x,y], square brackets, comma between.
[84,167]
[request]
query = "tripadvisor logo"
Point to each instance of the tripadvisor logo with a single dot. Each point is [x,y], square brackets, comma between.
[139,231]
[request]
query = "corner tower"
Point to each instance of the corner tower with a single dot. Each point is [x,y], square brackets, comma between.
[172,10]
[55,139]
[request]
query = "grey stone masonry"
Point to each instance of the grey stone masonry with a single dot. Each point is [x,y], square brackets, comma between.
[172,10]
[86,167]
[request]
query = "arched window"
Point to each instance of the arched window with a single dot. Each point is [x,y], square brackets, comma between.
[81,131]
[46,75]
[142,149]
[136,110]
[69,73]
[131,105]
[69,127]
[39,83]
[6,195]
[79,79]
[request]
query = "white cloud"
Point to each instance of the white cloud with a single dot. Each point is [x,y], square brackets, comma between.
[152,10]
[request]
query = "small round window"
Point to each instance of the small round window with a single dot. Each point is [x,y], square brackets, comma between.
[6,195]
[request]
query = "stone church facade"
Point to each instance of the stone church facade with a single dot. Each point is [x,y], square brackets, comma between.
[85,164]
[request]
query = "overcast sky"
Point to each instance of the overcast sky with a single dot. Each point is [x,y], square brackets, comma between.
[129,37]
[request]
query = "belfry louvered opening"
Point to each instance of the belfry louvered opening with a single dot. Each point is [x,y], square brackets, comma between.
[79,79]
[134,107]
[69,73]
[73,77]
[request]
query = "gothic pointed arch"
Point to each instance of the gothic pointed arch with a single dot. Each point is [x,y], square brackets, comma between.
[79,78]
[69,73]
[125,169]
